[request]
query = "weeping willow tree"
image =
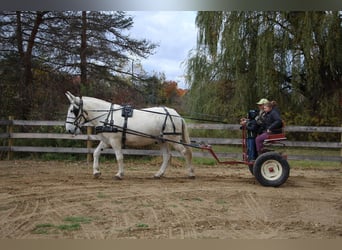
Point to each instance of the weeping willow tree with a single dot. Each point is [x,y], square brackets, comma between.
[294,58]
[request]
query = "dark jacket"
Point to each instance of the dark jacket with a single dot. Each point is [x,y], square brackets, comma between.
[252,128]
[273,122]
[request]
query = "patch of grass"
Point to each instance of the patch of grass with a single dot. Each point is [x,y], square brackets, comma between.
[141,225]
[74,225]
[314,164]
[69,227]
[288,150]
[221,202]
[204,161]
[75,219]
[101,195]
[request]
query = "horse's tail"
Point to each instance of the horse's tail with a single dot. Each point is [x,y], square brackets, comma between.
[185,133]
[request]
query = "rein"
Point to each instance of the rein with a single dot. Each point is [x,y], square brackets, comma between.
[81,119]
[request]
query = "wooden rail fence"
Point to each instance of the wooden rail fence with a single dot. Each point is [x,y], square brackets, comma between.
[10,136]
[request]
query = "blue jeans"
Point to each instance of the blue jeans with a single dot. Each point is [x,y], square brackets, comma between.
[251,150]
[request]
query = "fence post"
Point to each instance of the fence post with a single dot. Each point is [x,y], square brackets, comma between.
[89,144]
[10,139]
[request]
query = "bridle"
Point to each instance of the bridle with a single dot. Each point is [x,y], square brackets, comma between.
[80,116]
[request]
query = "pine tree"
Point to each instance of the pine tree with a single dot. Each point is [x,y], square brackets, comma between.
[79,43]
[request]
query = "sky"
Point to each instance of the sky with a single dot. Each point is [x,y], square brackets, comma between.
[176,34]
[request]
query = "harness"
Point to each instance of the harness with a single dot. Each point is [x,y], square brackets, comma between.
[162,133]
[127,112]
[110,127]
[109,123]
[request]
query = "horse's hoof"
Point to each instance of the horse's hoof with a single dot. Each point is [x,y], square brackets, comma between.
[97,175]
[117,177]
[192,177]
[157,177]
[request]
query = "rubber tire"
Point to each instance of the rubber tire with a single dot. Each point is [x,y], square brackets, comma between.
[279,166]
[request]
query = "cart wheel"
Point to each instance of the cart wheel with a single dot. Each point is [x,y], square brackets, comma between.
[271,169]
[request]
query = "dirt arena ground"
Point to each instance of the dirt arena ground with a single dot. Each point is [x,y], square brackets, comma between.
[61,200]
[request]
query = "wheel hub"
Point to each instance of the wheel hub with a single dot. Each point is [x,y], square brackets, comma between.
[271,170]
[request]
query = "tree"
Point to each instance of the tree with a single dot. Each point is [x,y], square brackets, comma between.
[151,89]
[76,43]
[105,44]
[292,57]
[17,36]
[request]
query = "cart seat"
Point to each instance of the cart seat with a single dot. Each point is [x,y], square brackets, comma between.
[277,137]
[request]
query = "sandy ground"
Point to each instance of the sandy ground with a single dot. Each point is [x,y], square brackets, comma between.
[61,200]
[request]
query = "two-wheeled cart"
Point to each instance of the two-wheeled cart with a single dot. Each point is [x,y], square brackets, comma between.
[269,168]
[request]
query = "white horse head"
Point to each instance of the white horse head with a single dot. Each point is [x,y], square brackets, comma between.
[74,115]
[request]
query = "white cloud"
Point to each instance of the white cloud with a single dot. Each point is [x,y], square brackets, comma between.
[176,34]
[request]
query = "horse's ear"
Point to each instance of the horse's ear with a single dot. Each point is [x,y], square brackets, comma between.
[70,96]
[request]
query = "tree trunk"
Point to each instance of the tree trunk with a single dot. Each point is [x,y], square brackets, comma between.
[83,52]
[26,90]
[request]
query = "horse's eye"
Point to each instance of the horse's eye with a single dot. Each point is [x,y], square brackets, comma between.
[75,111]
